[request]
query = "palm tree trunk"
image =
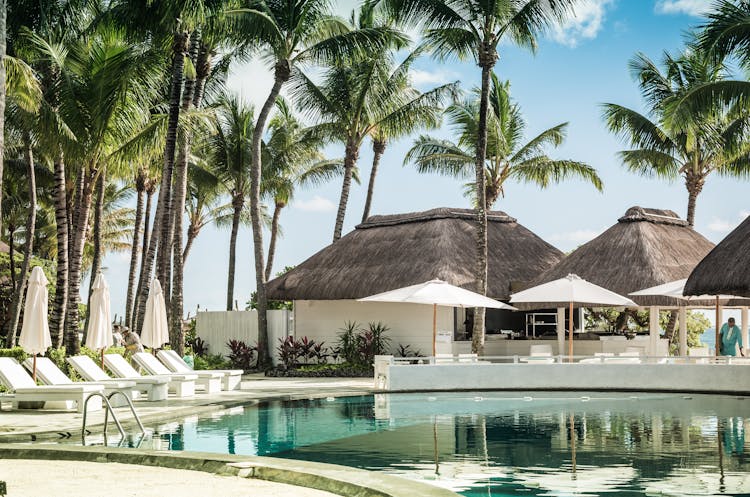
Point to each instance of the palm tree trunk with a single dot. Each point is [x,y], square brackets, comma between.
[192,233]
[15,309]
[145,271]
[238,203]
[282,72]
[3,32]
[378,147]
[274,235]
[162,218]
[82,208]
[12,256]
[351,155]
[487,59]
[96,262]
[140,188]
[694,185]
[59,306]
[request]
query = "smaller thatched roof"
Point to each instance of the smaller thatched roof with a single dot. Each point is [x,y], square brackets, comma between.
[645,248]
[390,252]
[726,269]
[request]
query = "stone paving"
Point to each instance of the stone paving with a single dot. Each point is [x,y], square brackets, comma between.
[28,425]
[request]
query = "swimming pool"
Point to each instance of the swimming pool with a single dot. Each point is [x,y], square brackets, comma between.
[499,443]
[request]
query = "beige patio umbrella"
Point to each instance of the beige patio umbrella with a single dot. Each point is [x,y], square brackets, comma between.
[99,332]
[35,338]
[571,290]
[437,293]
[155,331]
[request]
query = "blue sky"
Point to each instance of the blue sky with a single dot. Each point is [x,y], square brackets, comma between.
[576,68]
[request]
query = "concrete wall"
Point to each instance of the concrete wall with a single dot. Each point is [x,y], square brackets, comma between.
[719,378]
[217,328]
[411,324]
[495,347]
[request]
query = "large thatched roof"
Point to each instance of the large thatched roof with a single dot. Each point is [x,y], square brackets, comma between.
[389,252]
[647,247]
[726,269]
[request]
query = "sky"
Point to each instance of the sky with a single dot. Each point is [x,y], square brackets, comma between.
[577,67]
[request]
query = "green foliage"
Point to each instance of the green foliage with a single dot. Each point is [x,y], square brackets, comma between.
[211,361]
[273,305]
[241,355]
[359,346]
[16,353]
[6,291]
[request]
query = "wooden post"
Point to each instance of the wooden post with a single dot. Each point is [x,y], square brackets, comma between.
[718,327]
[743,328]
[560,331]
[653,330]
[434,330]
[683,331]
[570,334]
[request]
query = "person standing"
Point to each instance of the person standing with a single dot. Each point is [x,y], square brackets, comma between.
[730,338]
[132,342]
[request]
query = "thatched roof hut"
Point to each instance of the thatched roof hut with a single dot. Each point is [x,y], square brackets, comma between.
[389,252]
[726,269]
[647,247]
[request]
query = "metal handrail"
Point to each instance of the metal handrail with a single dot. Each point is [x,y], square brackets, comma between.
[108,409]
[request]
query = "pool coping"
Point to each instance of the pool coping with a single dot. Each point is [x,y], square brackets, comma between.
[339,480]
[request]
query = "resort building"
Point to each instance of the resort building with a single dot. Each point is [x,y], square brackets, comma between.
[393,251]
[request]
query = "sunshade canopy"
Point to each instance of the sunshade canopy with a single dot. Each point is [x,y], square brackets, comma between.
[571,289]
[35,337]
[99,332]
[675,289]
[155,332]
[437,292]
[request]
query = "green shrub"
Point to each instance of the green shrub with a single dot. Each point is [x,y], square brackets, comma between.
[16,353]
[211,361]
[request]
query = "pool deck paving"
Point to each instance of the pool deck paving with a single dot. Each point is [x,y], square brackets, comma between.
[127,480]
[37,424]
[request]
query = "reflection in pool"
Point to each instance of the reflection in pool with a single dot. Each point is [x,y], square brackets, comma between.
[500,444]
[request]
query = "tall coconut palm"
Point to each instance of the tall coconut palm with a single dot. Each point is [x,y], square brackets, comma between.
[291,33]
[714,140]
[205,205]
[140,183]
[293,159]
[231,151]
[357,99]
[474,29]
[508,156]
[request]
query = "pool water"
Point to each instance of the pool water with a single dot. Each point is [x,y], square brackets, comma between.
[501,443]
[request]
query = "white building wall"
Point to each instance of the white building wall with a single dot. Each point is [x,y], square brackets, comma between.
[410,324]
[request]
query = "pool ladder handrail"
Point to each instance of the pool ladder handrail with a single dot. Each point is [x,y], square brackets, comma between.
[108,409]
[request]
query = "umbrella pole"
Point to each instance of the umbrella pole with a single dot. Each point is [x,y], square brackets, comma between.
[434,330]
[570,334]
[102,358]
[33,371]
[718,337]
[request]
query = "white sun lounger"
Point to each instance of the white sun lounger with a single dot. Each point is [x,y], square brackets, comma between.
[210,382]
[48,372]
[181,385]
[230,379]
[13,376]
[155,387]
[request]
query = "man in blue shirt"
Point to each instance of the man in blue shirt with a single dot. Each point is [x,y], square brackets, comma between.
[730,337]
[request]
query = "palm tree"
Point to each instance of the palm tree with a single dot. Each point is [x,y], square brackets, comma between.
[291,33]
[711,141]
[474,29]
[508,156]
[204,205]
[140,183]
[293,159]
[230,150]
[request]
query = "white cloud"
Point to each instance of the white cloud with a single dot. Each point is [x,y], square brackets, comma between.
[584,24]
[432,77]
[719,225]
[690,7]
[576,237]
[315,204]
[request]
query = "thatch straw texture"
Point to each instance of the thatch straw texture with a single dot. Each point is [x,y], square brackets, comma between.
[647,247]
[726,269]
[390,252]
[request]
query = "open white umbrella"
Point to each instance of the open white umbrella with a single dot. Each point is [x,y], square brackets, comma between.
[35,338]
[437,293]
[676,289]
[99,333]
[155,332]
[571,290]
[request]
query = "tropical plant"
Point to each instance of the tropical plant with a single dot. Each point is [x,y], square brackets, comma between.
[241,355]
[711,141]
[509,157]
[291,33]
[475,29]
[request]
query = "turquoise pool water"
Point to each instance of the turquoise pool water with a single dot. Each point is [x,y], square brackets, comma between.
[493,444]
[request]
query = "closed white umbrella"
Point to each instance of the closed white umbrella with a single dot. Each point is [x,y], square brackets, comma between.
[437,293]
[155,332]
[99,333]
[571,290]
[35,338]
